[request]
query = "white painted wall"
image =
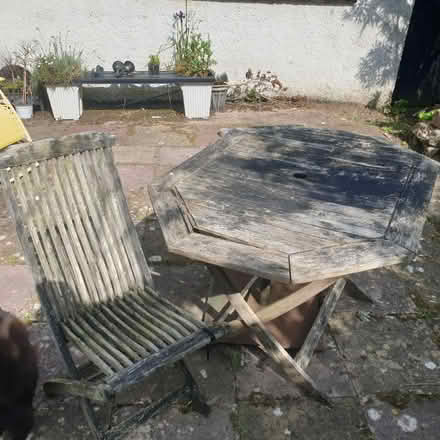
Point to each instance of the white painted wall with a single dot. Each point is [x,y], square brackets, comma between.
[333,52]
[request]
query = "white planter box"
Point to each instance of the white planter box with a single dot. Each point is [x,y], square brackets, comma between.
[197,100]
[66,102]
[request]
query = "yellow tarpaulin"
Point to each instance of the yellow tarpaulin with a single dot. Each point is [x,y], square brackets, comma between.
[12,129]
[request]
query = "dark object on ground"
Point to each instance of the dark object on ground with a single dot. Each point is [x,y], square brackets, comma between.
[18,378]
[129,67]
[122,69]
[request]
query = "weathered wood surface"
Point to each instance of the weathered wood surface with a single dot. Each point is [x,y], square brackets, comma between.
[305,354]
[332,202]
[337,261]
[90,272]
[271,346]
[26,153]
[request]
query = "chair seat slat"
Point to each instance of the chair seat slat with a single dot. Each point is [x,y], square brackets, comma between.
[95,345]
[159,337]
[117,336]
[159,314]
[131,329]
[103,341]
[159,326]
[91,354]
[177,313]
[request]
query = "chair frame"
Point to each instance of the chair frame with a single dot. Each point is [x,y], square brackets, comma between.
[17,162]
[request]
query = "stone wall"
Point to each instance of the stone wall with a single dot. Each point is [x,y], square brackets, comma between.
[337,52]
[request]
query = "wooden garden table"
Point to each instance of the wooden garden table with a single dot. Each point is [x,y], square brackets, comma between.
[296,205]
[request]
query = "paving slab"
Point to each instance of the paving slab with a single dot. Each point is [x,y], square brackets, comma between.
[417,419]
[17,293]
[309,420]
[384,354]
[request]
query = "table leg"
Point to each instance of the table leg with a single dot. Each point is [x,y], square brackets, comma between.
[272,347]
[306,352]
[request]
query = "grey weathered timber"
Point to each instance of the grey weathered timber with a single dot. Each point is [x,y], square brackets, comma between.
[92,278]
[296,205]
[305,354]
[325,203]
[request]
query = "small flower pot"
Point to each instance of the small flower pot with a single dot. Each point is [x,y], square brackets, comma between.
[218,99]
[65,102]
[25,111]
[154,68]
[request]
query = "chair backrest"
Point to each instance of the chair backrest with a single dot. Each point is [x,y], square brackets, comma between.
[72,221]
[12,129]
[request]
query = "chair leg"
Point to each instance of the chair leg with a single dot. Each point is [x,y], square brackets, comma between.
[90,416]
[198,403]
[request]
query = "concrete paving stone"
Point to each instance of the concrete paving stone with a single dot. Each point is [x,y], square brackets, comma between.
[174,155]
[134,177]
[258,377]
[385,353]
[419,419]
[135,155]
[310,420]
[17,293]
[387,290]
[212,369]
[261,422]
[175,424]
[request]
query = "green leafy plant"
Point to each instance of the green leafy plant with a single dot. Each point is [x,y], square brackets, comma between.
[154,60]
[60,64]
[193,55]
[424,115]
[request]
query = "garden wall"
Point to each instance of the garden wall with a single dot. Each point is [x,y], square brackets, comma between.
[329,49]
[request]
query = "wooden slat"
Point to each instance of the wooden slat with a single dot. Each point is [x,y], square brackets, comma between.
[148,322]
[283,305]
[171,354]
[123,345]
[337,261]
[234,256]
[190,165]
[169,215]
[129,329]
[117,334]
[175,317]
[76,244]
[64,172]
[102,341]
[406,226]
[283,202]
[91,192]
[97,243]
[136,324]
[28,153]
[305,354]
[45,290]
[180,315]
[271,346]
[111,209]
[105,367]
[32,220]
[258,229]
[66,278]
[159,318]
[130,238]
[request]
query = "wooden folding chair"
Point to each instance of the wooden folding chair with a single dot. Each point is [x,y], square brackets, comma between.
[90,273]
[12,129]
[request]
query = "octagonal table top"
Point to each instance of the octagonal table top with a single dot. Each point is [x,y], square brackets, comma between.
[296,204]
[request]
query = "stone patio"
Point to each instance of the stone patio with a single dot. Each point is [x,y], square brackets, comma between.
[379,359]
